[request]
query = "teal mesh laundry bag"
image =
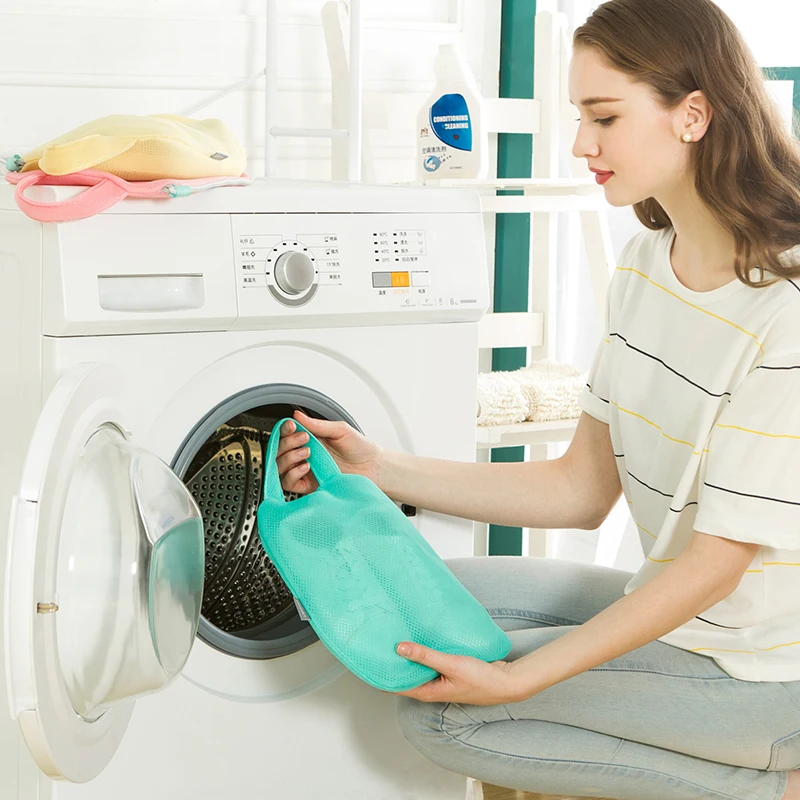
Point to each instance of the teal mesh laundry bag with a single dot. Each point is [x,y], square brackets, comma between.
[366,577]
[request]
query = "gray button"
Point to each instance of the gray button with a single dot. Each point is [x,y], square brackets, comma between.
[382,280]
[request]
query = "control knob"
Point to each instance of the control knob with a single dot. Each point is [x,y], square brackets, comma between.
[294,272]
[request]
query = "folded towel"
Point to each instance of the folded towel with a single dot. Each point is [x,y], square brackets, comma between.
[501,400]
[545,391]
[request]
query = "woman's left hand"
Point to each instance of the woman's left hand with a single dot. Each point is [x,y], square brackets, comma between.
[462,679]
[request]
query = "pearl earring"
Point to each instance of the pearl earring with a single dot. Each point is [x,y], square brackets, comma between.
[687,137]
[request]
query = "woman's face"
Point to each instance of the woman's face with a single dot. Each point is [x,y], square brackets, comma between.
[629,140]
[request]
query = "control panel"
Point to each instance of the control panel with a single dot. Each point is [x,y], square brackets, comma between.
[400,258]
[290,269]
[359,263]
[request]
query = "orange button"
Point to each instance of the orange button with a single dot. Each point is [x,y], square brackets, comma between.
[400,279]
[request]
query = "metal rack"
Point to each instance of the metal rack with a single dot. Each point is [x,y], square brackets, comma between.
[352,131]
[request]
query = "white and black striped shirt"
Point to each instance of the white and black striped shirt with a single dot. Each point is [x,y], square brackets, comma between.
[701,392]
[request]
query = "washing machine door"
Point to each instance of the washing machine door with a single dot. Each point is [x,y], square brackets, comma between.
[104,578]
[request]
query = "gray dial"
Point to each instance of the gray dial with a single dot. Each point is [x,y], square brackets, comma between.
[294,272]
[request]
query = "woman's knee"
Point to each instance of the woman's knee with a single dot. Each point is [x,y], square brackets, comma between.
[420,723]
[444,722]
[436,729]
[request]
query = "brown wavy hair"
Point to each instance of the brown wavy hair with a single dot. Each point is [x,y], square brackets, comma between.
[747,166]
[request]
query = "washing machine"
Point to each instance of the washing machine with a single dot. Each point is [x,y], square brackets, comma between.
[152,651]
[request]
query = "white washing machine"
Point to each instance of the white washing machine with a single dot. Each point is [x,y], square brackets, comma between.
[144,332]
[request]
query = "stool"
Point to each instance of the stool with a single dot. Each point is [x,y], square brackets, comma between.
[479,791]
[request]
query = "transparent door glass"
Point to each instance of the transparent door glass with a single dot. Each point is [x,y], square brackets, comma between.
[130,575]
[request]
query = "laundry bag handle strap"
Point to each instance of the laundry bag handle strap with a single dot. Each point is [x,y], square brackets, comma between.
[321,461]
[103,192]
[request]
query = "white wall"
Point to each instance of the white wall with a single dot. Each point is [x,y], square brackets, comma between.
[62,64]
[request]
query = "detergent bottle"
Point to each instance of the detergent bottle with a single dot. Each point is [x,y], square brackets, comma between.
[452,138]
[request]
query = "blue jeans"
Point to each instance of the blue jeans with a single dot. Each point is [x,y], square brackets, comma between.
[658,723]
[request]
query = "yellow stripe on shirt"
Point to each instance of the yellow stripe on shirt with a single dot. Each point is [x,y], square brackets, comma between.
[749,652]
[657,427]
[646,531]
[760,433]
[692,305]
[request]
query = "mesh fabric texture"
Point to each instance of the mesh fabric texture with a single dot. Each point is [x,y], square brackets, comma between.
[143,148]
[366,576]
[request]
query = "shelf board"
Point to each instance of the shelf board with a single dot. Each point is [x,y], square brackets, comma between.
[531,186]
[522,433]
[511,329]
[535,194]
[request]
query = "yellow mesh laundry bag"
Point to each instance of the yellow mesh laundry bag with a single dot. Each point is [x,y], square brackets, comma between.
[143,148]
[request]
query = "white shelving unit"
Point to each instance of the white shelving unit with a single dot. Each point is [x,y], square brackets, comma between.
[543,198]
[525,433]
[550,120]
[544,195]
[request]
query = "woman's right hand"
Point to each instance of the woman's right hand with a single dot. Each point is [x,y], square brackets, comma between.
[352,451]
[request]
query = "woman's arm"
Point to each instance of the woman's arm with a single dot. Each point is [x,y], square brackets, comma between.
[707,571]
[577,490]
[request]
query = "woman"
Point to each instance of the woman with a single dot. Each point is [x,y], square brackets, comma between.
[682,681]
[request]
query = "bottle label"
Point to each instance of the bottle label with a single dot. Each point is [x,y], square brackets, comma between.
[451,123]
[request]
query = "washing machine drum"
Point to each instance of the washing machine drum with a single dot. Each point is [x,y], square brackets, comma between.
[243,590]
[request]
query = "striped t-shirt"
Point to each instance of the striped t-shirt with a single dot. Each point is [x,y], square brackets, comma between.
[701,393]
